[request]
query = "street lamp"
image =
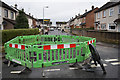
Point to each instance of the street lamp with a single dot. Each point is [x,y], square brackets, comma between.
[43,14]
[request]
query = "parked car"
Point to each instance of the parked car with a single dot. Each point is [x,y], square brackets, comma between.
[59,29]
[51,29]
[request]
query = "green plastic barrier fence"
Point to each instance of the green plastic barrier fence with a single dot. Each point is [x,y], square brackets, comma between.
[48,50]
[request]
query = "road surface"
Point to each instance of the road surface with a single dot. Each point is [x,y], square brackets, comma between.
[108,53]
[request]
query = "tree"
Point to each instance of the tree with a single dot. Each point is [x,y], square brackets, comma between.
[21,20]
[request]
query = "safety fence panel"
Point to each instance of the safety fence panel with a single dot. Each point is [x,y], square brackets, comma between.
[48,50]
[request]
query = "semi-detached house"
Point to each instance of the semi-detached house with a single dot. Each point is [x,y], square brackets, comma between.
[7,16]
[85,20]
[107,17]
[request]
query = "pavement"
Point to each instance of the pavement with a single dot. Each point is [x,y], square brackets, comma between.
[108,53]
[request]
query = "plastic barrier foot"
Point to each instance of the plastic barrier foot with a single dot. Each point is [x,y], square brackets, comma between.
[21,71]
[9,63]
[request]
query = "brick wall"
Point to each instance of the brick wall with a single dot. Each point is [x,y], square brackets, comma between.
[110,37]
[8,26]
[90,19]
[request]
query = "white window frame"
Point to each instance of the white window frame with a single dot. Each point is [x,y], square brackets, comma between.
[12,16]
[99,15]
[111,10]
[104,13]
[118,9]
[5,13]
[109,26]
[103,28]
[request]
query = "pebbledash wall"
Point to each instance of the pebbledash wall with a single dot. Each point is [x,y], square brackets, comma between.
[104,36]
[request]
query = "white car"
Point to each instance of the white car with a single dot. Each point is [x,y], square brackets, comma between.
[51,29]
[59,29]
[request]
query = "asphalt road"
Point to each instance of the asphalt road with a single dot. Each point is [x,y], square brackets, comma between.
[108,54]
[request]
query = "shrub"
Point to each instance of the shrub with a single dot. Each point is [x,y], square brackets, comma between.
[12,33]
[21,20]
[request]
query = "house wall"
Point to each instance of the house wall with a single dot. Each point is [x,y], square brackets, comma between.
[9,26]
[90,19]
[1,20]
[76,22]
[118,26]
[108,19]
[9,14]
[30,22]
[34,23]
[63,26]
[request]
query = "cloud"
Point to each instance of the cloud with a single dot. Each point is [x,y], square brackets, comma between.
[59,10]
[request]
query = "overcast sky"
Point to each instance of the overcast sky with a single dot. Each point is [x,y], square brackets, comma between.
[59,10]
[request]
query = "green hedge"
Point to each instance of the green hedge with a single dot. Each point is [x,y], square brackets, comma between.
[12,33]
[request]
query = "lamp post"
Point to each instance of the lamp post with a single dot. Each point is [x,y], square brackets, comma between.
[43,14]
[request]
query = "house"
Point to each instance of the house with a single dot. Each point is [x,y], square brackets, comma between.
[87,19]
[47,23]
[71,22]
[32,22]
[61,25]
[107,17]
[7,16]
[76,21]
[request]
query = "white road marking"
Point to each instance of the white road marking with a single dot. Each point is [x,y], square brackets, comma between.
[73,68]
[52,70]
[115,63]
[98,65]
[108,60]
[15,72]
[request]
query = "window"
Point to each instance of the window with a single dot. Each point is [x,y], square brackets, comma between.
[103,26]
[104,14]
[12,15]
[98,15]
[111,26]
[5,12]
[119,9]
[111,12]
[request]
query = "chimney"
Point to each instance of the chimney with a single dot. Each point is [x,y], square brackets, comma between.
[79,14]
[32,15]
[22,9]
[72,17]
[29,14]
[75,15]
[16,6]
[85,10]
[92,7]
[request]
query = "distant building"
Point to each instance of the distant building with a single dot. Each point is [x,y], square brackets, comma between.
[107,17]
[88,18]
[7,16]
[71,22]
[32,22]
[61,25]
[85,20]
[47,23]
